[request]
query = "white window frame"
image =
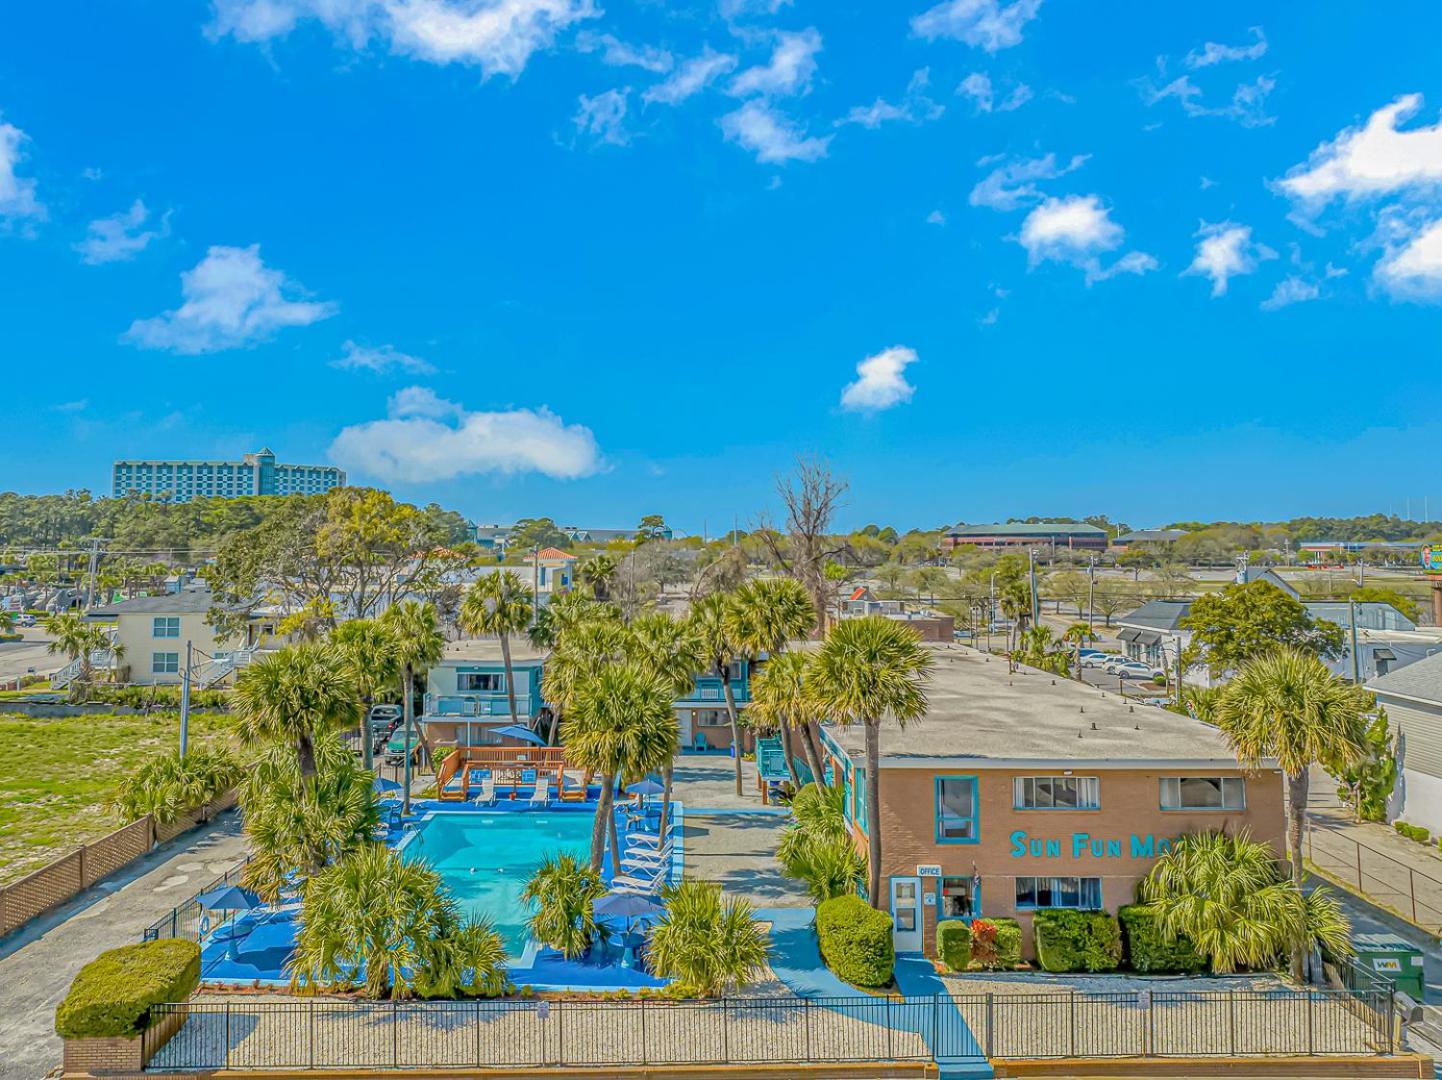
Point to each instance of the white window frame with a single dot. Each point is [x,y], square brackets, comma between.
[1088,789]
[1170,794]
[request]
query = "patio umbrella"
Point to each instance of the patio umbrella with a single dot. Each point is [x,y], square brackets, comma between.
[626,905]
[229,898]
[383,786]
[645,787]
[518,731]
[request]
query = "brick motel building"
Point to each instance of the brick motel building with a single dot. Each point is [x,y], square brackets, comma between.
[1028,790]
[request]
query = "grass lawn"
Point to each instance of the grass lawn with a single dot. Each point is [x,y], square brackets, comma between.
[56,776]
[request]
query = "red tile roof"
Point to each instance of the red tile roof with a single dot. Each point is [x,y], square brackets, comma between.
[859,593]
[555,553]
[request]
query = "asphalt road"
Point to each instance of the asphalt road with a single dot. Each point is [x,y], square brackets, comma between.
[18,657]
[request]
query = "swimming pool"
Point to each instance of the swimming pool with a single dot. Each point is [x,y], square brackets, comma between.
[485,859]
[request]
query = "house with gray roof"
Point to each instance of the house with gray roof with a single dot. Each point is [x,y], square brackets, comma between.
[1412,697]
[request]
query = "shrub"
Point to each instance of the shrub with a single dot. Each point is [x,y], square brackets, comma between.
[1071,940]
[706,941]
[996,943]
[168,785]
[112,995]
[1147,949]
[953,943]
[562,892]
[856,940]
[1412,832]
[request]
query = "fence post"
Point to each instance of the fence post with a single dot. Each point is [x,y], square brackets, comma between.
[990,1025]
[395,1033]
[1412,888]
[806,1019]
[890,1050]
[1232,1022]
[645,1060]
[477,1021]
[1071,1019]
[227,1034]
[84,883]
[1311,1011]
[1151,1023]
[725,1033]
[1359,867]
[310,1017]
[935,1026]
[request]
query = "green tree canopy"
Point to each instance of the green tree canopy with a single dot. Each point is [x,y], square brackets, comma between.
[1245,621]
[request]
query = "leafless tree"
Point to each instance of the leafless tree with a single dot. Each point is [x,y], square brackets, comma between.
[811,495]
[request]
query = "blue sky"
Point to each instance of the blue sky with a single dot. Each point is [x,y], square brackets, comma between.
[597,260]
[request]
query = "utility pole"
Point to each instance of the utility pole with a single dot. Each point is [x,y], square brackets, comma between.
[1091,590]
[1356,660]
[535,582]
[185,701]
[1031,573]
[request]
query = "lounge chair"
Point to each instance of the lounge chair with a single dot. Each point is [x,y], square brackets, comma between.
[542,795]
[487,794]
[634,861]
[644,881]
[636,838]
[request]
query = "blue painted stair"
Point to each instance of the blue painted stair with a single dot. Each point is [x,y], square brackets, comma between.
[957,1054]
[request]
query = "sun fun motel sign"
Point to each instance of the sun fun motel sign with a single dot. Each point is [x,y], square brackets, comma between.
[1082,845]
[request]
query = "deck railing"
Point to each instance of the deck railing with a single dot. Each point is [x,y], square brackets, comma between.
[338,1034]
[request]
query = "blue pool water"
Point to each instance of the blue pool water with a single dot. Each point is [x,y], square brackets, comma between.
[485,859]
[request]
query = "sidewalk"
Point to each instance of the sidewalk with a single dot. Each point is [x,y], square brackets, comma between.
[1370,858]
[38,963]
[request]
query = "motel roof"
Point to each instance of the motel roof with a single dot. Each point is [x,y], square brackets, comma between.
[1028,528]
[981,716]
[489,650]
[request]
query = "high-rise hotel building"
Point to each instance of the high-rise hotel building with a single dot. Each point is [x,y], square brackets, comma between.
[253,474]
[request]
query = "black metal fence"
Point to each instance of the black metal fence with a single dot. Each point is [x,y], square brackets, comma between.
[185,920]
[326,1034]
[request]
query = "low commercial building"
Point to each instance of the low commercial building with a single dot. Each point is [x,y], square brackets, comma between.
[1412,697]
[253,474]
[466,696]
[1154,539]
[1024,791]
[1049,536]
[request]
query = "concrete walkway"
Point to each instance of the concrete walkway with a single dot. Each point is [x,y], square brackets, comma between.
[38,963]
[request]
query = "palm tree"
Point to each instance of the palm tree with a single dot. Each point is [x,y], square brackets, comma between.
[499,604]
[415,629]
[294,696]
[671,649]
[620,726]
[169,785]
[1286,705]
[709,619]
[816,848]
[391,915]
[707,942]
[779,699]
[75,637]
[581,650]
[562,891]
[1077,635]
[598,572]
[1230,899]
[762,617]
[564,612]
[295,827]
[867,670]
[370,651]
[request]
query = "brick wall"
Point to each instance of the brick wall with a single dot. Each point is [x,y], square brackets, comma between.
[1130,806]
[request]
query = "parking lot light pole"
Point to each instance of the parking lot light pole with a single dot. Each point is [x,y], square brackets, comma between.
[185,702]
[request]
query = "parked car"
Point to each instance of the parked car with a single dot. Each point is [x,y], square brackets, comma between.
[1084,653]
[1100,659]
[1134,669]
[24,620]
[396,750]
[384,718]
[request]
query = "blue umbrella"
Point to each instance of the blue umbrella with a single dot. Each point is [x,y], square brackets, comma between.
[384,786]
[518,731]
[271,935]
[229,898]
[645,787]
[626,905]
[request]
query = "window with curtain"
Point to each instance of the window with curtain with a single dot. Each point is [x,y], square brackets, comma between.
[956,809]
[1203,793]
[1059,892]
[1056,793]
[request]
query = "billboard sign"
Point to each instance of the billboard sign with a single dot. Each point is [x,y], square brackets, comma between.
[1432,558]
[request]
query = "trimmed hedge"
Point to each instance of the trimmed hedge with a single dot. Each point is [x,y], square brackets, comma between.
[856,940]
[1072,940]
[1149,952]
[953,944]
[112,994]
[1412,832]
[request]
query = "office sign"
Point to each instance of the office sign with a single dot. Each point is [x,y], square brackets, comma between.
[928,870]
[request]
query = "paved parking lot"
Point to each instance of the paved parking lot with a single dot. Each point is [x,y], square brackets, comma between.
[738,850]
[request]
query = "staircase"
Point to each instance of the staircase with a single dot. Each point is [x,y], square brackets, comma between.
[216,668]
[100,660]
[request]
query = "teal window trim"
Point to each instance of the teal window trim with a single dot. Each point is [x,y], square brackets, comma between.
[165,626]
[860,813]
[165,663]
[975,818]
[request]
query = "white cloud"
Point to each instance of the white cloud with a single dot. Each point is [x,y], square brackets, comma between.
[1212,53]
[691,77]
[1019,96]
[731,9]
[604,116]
[498,36]
[977,86]
[772,137]
[880,381]
[18,203]
[789,71]
[936,217]
[1291,290]
[1224,251]
[1248,106]
[915,107]
[1413,270]
[426,438]
[986,24]
[1077,230]
[1372,160]
[231,298]
[120,237]
[380,360]
[617,53]
[1014,184]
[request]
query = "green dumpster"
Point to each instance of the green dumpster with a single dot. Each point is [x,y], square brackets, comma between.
[1390,957]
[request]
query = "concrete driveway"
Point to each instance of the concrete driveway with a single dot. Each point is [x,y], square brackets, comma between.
[738,849]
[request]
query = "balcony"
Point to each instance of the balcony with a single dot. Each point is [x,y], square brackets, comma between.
[708,690]
[467,705]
